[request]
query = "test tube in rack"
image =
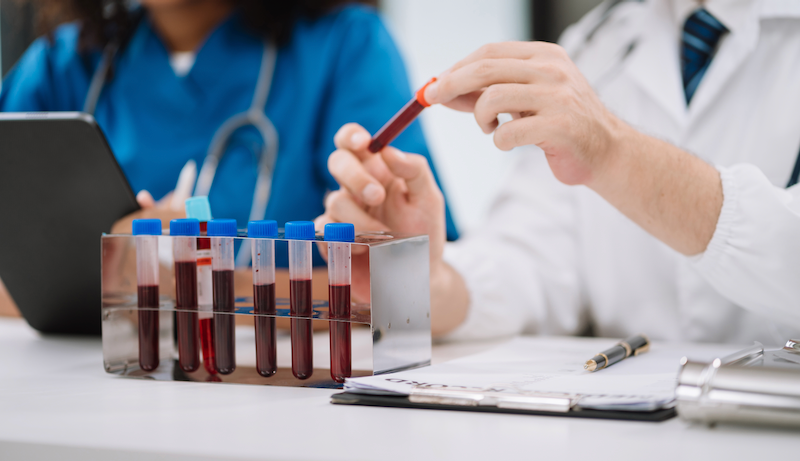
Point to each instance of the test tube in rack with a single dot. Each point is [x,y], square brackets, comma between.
[263,252]
[300,235]
[222,232]
[339,236]
[200,209]
[147,232]
[184,250]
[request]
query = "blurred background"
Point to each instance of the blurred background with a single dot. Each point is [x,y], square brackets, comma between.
[432,35]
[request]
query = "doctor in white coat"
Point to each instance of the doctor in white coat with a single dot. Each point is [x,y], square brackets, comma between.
[670,130]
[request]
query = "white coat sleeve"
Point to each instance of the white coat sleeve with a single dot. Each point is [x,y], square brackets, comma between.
[521,267]
[753,258]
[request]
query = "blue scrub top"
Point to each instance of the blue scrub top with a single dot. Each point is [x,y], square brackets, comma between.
[340,68]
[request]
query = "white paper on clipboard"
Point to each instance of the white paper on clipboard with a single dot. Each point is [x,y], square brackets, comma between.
[555,365]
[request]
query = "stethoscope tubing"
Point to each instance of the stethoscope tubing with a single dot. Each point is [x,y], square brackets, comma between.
[254,116]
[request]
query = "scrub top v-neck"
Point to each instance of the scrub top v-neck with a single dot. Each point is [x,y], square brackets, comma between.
[340,68]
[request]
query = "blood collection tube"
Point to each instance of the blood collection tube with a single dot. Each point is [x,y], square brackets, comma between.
[200,209]
[222,232]
[184,250]
[147,232]
[264,293]
[300,235]
[339,236]
[400,121]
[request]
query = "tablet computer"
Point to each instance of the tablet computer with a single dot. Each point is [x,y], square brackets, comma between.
[60,189]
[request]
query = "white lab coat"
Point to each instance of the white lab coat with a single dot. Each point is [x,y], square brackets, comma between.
[554,259]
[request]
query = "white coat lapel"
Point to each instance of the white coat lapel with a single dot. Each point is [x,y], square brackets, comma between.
[654,65]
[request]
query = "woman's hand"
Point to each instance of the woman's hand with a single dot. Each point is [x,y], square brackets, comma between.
[390,190]
[552,104]
[151,209]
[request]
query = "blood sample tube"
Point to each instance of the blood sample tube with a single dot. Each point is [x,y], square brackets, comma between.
[184,250]
[222,232]
[264,293]
[339,236]
[200,209]
[300,235]
[400,121]
[147,232]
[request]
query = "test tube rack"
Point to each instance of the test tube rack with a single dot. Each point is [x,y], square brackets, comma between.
[390,332]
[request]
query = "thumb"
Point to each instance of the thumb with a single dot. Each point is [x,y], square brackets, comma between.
[413,168]
[145,199]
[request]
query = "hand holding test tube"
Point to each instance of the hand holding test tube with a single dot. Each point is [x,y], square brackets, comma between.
[407,199]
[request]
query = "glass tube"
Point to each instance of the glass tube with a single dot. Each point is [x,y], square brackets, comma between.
[147,298]
[301,306]
[339,309]
[264,303]
[185,255]
[222,262]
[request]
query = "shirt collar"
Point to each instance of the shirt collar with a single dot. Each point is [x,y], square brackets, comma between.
[733,14]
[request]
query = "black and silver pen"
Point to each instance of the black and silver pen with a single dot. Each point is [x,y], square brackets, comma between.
[634,345]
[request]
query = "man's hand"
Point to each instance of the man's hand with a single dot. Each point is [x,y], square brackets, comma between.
[552,104]
[671,194]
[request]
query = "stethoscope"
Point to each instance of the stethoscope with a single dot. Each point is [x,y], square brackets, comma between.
[616,65]
[254,116]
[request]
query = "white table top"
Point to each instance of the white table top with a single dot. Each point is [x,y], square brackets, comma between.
[57,402]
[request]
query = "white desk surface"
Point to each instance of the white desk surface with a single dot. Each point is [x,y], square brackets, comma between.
[57,402]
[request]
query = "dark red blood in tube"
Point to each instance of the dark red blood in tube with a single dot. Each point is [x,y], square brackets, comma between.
[400,121]
[302,346]
[224,334]
[395,125]
[148,327]
[266,354]
[186,299]
[339,309]
[207,343]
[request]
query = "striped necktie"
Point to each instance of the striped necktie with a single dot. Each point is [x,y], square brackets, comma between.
[701,33]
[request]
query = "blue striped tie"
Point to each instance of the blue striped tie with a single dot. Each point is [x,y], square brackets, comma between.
[701,33]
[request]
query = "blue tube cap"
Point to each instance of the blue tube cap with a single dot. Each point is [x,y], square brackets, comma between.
[146,227]
[261,229]
[300,230]
[221,228]
[198,208]
[340,232]
[186,227]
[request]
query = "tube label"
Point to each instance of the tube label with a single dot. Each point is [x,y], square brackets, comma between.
[204,281]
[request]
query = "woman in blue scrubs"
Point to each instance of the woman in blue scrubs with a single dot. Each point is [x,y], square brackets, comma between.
[187,66]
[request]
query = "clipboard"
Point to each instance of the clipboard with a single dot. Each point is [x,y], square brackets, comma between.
[401,401]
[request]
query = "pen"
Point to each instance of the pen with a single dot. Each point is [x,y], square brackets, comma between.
[183,189]
[634,345]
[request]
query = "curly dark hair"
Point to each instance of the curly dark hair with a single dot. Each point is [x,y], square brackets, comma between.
[107,20]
